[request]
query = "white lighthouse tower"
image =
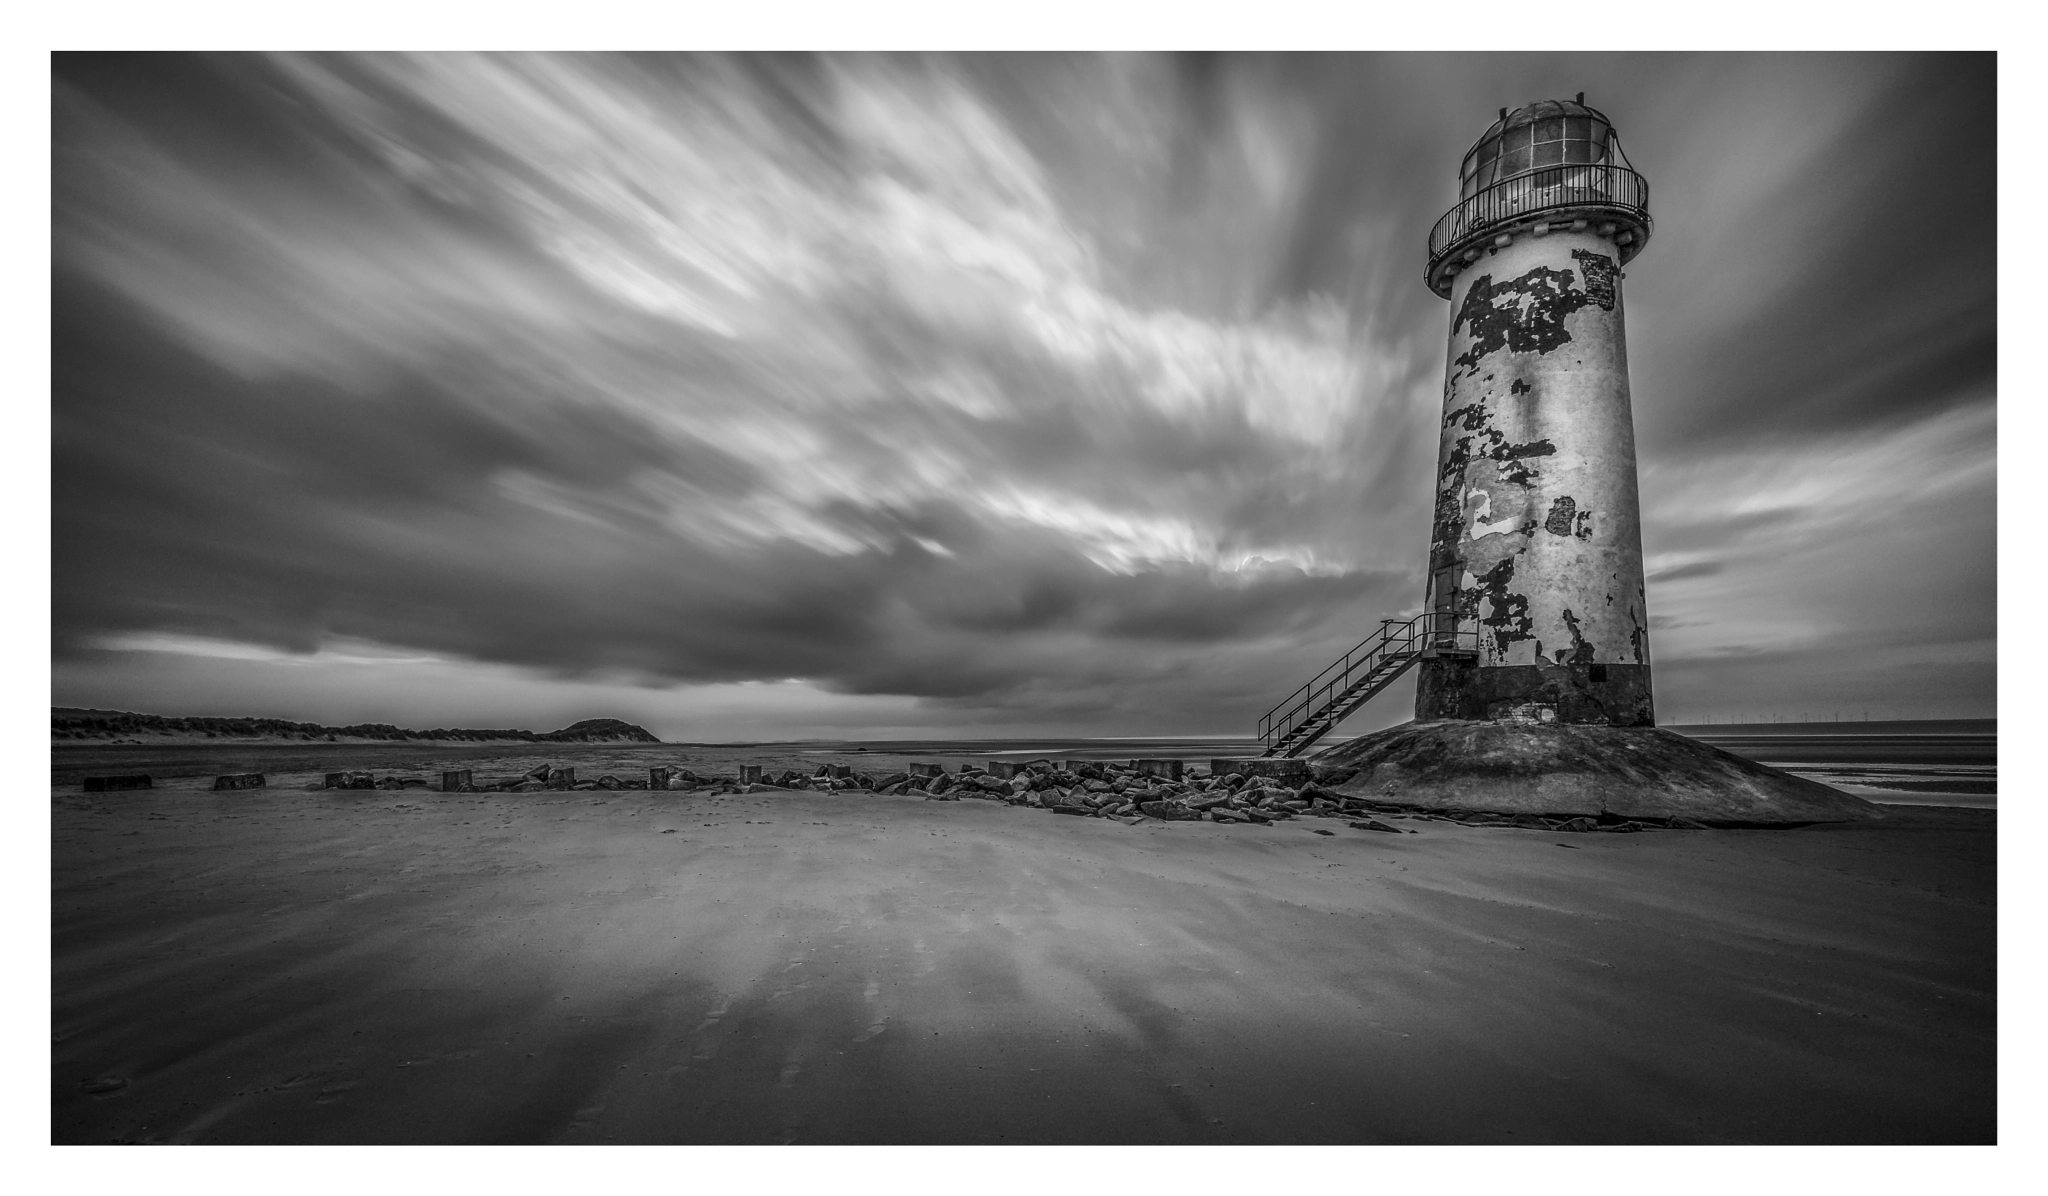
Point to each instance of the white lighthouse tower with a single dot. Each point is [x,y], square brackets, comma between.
[1535,543]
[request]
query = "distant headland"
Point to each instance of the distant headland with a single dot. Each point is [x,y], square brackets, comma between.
[73,725]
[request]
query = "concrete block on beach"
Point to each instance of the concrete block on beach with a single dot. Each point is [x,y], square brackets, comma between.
[1002,770]
[561,778]
[1165,769]
[452,780]
[106,784]
[238,780]
[926,770]
[750,774]
[1280,768]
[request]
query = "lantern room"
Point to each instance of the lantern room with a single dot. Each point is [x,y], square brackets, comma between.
[1546,164]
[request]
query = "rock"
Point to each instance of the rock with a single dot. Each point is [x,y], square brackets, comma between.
[527,787]
[1208,801]
[1082,811]
[453,780]
[239,780]
[1320,831]
[1529,822]
[561,778]
[538,772]
[101,1085]
[608,781]
[1097,786]
[1580,824]
[1280,768]
[1372,824]
[414,783]
[895,789]
[391,783]
[1168,769]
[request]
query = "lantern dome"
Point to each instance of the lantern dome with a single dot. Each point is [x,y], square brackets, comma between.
[1545,163]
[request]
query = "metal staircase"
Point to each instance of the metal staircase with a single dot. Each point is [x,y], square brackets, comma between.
[1333,694]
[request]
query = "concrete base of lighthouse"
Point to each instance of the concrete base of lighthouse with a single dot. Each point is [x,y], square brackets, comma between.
[1564,770]
[1457,687]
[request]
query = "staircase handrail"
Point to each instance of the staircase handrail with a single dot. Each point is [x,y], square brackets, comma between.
[1442,634]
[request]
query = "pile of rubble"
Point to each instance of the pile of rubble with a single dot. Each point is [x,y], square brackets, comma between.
[1260,790]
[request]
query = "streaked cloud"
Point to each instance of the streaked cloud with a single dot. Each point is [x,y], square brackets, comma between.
[1046,393]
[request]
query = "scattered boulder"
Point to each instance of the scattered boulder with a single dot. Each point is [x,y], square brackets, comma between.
[1279,768]
[1168,769]
[1373,824]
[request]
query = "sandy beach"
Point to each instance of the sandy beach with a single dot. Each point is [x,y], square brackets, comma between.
[280,965]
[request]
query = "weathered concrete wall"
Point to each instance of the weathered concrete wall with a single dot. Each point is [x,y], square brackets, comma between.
[1536,532]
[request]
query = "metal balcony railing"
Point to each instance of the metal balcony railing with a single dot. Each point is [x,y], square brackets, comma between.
[1312,711]
[1605,185]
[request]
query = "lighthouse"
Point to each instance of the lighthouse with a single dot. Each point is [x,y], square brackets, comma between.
[1535,550]
[1531,650]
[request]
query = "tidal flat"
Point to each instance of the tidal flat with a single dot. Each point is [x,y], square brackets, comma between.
[286,965]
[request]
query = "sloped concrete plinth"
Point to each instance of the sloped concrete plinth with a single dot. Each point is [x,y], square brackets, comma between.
[1571,770]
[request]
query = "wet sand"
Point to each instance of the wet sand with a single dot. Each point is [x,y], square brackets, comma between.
[288,966]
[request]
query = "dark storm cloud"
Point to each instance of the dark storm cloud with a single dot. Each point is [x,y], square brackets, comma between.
[1093,392]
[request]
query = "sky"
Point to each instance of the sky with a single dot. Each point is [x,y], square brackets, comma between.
[786,397]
